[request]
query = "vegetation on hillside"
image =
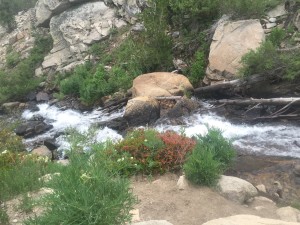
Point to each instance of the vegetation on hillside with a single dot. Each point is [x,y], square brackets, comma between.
[19,77]
[94,187]
[268,59]
[9,8]
[153,48]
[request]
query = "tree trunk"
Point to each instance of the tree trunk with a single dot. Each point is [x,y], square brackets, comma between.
[271,101]
[257,86]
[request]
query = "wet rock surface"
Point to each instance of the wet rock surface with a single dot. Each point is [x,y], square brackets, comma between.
[277,174]
[32,128]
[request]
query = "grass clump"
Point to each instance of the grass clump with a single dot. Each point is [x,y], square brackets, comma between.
[10,141]
[4,220]
[212,155]
[86,193]
[271,62]
[19,173]
[91,85]
[20,78]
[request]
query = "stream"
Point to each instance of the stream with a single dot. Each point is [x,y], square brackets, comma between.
[266,139]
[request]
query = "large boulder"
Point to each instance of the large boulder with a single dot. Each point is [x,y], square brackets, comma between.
[161,84]
[236,189]
[141,110]
[32,128]
[247,220]
[288,214]
[75,29]
[46,9]
[230,42]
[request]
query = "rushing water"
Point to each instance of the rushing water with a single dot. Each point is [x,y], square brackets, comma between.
[267,139]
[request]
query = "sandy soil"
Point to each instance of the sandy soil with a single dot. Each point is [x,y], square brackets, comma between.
[160,199]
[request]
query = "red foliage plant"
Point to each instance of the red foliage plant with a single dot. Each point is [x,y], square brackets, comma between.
[176,147]
[166,150]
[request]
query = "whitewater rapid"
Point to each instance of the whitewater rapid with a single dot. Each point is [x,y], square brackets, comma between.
[266,139]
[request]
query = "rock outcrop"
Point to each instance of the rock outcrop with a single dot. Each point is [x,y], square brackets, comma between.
[230,42]
[74,30]
[19,40]
[236,189]
[141,110]
[247,220]
[161,84]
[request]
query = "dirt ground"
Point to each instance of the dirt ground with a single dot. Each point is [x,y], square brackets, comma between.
[160,199]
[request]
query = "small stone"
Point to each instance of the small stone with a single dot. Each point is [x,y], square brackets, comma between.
[63,162]
[182,183]
[135,215]
[264,199]
[261,188]
[175,34]
[270,25]
[15,221]
[42,96]
[259,208]
[272,20]
[42,151]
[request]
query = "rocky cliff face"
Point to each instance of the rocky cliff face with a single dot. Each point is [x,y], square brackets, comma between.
[21,39]
[73,24]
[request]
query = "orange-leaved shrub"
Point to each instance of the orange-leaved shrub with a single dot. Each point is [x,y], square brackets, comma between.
[154,152]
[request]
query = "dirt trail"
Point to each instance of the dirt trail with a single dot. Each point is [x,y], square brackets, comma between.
[161,200]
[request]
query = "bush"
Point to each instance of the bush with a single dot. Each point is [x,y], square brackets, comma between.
[267,60]
[197,71]
[276,36]
[221,148]
[91,85]
[86,193]
[212,155]
[12,59]
[149,152]
[9,8]
[201,167]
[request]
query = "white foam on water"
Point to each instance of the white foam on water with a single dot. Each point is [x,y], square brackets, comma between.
[67,119]
[281,140]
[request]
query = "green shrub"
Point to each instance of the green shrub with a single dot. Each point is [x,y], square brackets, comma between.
[197,70]
[201,167]
[276,36]
[9,8]
[212,155]
[260,61]
[267,60]
[86,193]
[19,173]
[4,220]
[91,85]
[221,148]
[12,59]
